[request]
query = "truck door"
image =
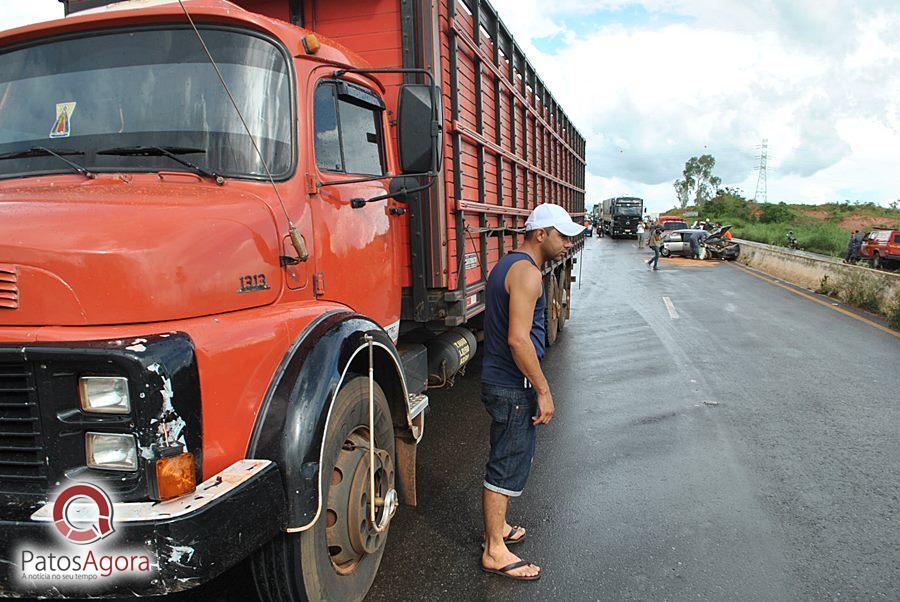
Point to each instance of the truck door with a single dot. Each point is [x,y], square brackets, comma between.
[354,259]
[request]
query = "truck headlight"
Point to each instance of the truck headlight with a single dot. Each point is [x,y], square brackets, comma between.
[104,394]
[111,451]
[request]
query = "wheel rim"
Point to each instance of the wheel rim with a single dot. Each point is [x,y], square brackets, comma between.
[349,533]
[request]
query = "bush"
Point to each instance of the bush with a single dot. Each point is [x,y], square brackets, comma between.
[893,314]
[725,207]
[770,213]
[825,238]
[859,291]
[827,287]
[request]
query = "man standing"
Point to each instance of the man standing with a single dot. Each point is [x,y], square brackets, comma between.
[655,244]
[640,235]
[856,240]
[514,390]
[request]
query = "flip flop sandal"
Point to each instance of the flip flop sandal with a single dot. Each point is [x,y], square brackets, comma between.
[505,571]
[511,539]
[508,540]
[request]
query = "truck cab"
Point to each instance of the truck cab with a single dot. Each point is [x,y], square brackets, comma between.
[238,244]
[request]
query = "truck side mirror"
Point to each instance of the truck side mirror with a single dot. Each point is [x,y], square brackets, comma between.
[419,128]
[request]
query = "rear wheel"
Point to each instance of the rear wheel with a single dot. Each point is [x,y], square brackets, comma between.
[553,307]
[564,297]
[337,558]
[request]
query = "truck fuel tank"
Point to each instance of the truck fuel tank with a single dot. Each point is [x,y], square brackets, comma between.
[448,353]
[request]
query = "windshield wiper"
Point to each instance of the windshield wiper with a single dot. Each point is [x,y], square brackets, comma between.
[40,151]
[171,152]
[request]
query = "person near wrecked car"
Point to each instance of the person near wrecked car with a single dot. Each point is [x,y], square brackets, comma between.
[655,244]
[515,391]
[853,246]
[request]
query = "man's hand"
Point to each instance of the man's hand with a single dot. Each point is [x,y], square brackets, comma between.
[545,408]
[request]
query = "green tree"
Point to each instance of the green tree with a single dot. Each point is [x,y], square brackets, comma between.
[727,205]
[698,183]
[682,193]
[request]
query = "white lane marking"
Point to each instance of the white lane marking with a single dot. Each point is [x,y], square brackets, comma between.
[672,313]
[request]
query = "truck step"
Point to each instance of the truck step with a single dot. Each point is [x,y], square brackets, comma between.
[417,404]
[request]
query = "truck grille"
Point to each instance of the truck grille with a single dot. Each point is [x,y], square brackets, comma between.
[9,287]
[22,458]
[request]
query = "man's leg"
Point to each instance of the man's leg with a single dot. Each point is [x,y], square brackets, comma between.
[496,554]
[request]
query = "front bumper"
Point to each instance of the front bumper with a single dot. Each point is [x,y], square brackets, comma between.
[192,539]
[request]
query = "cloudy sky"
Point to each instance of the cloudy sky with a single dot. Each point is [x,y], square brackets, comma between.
[651,83]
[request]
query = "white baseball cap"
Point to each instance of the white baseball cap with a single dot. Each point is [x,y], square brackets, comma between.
[549,215]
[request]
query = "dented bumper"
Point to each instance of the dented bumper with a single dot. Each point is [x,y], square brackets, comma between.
[191,539]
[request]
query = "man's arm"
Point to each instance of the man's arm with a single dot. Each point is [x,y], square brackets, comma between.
[524,284]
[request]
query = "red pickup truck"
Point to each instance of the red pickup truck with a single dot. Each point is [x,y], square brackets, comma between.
[882,248]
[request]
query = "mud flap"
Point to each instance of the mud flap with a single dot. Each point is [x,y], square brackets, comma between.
[405,450]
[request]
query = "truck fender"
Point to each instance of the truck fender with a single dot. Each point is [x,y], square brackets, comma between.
[290,427]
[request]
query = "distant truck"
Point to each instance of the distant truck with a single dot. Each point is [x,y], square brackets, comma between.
[619,216]
[672,222]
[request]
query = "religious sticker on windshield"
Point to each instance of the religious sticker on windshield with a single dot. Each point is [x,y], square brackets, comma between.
[62,127]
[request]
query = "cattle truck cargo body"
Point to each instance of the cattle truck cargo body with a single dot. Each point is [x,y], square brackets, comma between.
[619,216]
[252,308]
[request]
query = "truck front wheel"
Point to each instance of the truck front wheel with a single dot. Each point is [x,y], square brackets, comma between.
[337,558]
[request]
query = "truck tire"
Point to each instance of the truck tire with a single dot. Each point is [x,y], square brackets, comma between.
[552,311]
[331,561]
[564,297]
[876,261]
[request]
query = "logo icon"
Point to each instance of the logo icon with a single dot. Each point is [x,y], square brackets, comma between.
[101,527]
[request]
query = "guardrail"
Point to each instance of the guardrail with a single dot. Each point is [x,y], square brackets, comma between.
[855,284]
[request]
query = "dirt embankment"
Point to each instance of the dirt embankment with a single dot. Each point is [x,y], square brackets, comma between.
[868,222]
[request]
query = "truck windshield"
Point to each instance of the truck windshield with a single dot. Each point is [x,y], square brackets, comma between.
[150,88]
[628,209]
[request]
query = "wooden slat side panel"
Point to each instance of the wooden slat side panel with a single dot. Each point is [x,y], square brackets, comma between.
[530,151]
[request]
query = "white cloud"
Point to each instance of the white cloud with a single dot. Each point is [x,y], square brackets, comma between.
[16,13]
[718,76]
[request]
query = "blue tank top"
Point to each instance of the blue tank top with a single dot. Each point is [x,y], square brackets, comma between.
[498,367]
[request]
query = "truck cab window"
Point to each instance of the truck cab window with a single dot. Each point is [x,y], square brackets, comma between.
[328,146]
[348,136]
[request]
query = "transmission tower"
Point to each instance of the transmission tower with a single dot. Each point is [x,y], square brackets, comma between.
[761,195]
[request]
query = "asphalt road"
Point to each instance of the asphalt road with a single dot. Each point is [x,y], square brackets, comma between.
[747,449]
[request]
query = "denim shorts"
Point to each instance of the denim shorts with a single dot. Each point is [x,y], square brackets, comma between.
[512,437]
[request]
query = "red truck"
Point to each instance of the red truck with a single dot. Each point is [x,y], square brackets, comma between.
[239,244]
[882,248]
